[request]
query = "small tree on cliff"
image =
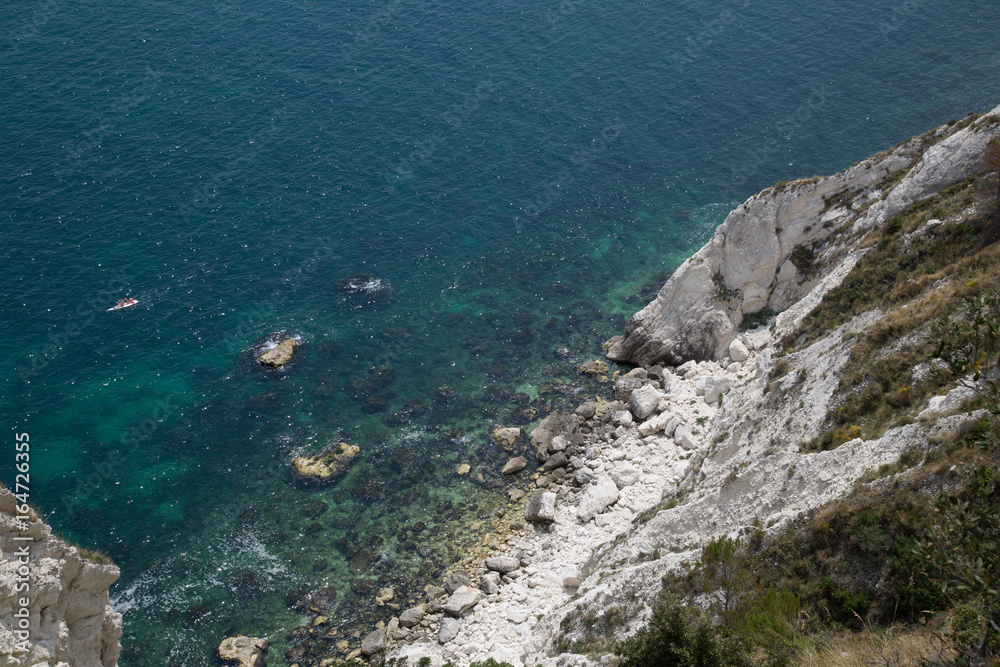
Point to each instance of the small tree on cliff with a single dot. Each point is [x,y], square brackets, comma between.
[991,159]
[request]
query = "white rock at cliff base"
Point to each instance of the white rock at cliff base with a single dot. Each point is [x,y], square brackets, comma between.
[597,498]
[738,351]
[644,400]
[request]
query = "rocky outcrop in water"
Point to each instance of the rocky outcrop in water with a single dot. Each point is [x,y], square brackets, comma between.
[60,593]
[280,354]
[243,650]
[327,466]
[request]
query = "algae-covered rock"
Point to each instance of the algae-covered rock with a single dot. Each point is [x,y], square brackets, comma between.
[247,651]
[327,466]
[506,436]
[279,354]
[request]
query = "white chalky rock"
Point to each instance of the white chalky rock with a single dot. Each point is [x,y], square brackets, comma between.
[625,474]
[684,437]
[462,600]
[644,400]
[715,387]
[738,351]
[597,498]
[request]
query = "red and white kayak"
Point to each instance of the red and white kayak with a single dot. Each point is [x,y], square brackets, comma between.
[124,303]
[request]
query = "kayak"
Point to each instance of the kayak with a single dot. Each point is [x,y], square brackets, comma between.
[124,303]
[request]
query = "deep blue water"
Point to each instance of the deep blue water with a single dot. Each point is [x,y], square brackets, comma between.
[522,175]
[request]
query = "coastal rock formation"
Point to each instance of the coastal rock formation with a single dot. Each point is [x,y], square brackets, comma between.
[280,354]
[768,252]
[327,466]
[68,615]
[724,449]
[246,651]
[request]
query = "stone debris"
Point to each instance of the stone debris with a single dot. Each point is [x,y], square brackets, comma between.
[541,506]
[373,642]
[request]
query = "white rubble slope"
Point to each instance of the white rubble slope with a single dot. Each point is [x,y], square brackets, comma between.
[711,426]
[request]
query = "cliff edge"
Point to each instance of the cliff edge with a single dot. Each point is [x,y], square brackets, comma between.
[54,605]
[760,257]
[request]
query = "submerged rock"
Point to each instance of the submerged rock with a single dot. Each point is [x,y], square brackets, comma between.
[247,651]
[507,436]
[327,466]
[514,466]
[280,354]
[597,369]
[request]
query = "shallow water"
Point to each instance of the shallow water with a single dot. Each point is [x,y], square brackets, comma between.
[522,177]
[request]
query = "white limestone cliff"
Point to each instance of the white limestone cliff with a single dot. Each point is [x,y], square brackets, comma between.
[766,252]
[69,619]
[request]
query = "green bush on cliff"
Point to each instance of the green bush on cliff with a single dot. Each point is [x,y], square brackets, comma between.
[682,638]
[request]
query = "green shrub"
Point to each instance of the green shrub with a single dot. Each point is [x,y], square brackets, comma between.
[674,639]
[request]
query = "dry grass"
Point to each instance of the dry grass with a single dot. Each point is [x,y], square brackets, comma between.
[898,646]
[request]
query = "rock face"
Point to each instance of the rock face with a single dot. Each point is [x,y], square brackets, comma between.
[280,354]
[767,250]
[730,465]
[327,466]
[69,616]
[247,651]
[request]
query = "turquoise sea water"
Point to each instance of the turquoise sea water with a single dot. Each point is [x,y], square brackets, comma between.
[522,175]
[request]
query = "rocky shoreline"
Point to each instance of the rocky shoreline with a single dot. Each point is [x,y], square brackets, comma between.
[629,489]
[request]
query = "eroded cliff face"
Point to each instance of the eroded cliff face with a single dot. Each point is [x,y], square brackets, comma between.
[69,619]
[766,253]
